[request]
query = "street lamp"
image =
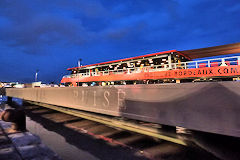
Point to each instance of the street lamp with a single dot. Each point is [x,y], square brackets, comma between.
[36,75]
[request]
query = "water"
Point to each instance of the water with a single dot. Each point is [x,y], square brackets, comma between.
[58,143]
[74,145]
[3,100]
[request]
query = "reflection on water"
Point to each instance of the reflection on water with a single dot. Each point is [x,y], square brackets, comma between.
[18,101]
[3,100]
[58,143]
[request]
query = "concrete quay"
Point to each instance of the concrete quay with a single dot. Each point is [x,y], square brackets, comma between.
[22,146]
[211,107]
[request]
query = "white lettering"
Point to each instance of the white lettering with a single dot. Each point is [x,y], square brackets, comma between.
[121,97]
[106,95]
[75,93]
[94,98]
[83,93]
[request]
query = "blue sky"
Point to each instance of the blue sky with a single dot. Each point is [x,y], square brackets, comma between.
[52,35]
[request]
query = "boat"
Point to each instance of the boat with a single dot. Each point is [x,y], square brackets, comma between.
[161,67]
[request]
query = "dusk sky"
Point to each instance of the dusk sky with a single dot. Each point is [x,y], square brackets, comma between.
[51,35]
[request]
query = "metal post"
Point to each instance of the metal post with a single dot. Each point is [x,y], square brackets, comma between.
[79,62]
[223,62]
[9,100]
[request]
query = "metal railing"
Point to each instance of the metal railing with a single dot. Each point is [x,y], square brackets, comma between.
[225,61]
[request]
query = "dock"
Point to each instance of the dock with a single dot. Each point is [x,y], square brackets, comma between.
[211,107]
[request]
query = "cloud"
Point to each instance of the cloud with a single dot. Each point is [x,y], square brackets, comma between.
[44,30]
[38,30]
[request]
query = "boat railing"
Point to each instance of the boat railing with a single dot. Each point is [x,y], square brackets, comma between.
[214,62]
[225,61]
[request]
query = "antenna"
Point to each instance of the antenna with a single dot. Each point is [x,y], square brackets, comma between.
[79,62]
